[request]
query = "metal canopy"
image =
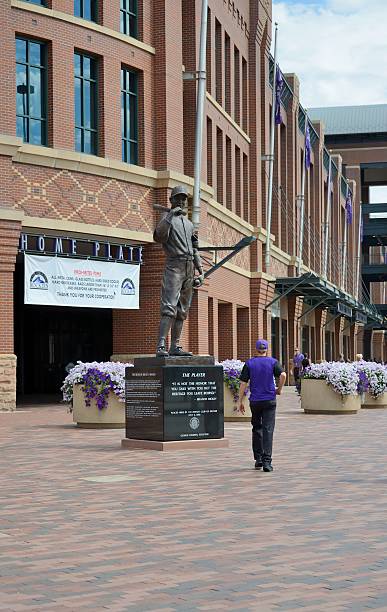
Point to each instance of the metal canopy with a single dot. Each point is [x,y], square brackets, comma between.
[317,291]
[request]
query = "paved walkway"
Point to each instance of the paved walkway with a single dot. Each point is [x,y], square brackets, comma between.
[85,525]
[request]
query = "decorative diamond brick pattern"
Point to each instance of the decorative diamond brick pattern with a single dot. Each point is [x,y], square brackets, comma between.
[84,198]
[219,234]
[198,530]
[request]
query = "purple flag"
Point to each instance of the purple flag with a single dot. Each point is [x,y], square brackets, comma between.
[348,208]
[308,148]
[279,82]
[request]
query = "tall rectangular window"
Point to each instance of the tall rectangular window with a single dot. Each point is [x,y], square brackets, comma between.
[244,96]
[219,165]
[129,17]
[238,209]
[31,91]
[227,74]
[218,62]
[87,9]
[129,116]
[237,86]
[209,151]
[228,174]
[209,53]
[85,75]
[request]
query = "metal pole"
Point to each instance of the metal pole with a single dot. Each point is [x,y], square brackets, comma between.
[344,259]
[271,158]
[327,218]
[301,199]
[201,96]
[358,253]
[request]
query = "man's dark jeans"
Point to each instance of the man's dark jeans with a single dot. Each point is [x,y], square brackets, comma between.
[263,422]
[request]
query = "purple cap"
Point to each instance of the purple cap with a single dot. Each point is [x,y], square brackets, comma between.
[262,345]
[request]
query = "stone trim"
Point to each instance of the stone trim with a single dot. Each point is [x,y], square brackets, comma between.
[64,159]
[231,121]
[59,225]
[83,23]
[229,218]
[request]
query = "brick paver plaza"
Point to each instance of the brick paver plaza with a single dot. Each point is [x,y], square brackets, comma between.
[88,526]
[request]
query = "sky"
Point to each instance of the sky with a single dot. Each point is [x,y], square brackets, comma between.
[338,49]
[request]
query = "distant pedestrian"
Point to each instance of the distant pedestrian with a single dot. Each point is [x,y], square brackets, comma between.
[297,367]
[261,371]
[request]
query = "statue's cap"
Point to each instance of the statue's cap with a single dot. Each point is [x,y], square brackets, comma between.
[178,190]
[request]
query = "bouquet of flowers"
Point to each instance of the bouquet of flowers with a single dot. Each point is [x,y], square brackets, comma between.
[232,369]
[97,379]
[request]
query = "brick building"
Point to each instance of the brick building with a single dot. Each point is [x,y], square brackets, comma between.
[71,169]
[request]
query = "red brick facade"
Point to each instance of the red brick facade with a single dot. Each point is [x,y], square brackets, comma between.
[55,189]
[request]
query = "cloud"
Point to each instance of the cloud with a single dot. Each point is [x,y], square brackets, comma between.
[338,49]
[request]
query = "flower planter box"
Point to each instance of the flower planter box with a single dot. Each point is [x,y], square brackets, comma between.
[368,401]
[230,414]
[111,417]
[319,398]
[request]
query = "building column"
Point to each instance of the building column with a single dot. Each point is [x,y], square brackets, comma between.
[339,326]
[261,294]
[320,318]
[197,330]
[295,304]
[360,340]
[9,241]
[353,331]
[378,345]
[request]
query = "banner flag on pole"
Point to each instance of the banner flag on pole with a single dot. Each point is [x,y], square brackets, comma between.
[308,148]
[348,208]
[279,82]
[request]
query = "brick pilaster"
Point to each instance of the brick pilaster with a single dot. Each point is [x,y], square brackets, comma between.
[320,317]
[295,304]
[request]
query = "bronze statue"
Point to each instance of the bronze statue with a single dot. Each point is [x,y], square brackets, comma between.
[180,243]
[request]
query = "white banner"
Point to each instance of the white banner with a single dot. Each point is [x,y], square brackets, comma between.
[60,281]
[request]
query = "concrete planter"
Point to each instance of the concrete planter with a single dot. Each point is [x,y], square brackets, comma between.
[89,417]
[368,401]
[230,414]
[319,398]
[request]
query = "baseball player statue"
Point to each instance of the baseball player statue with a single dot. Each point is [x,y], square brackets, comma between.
[180,243]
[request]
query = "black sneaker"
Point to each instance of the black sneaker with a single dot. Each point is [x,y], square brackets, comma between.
[177,351]
[161,351]
[258,464]
[267,467]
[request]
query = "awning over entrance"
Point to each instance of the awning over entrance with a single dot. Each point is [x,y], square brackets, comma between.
[319,292]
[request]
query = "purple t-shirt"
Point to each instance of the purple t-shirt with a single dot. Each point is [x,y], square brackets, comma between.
[297,360]
[260,371]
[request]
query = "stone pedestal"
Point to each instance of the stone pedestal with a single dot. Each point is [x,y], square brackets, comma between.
[174,400]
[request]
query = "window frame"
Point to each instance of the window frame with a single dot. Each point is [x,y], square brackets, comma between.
[43,93]
[125,14]
[93,10]
[94,82]
[38,2]
[129,97]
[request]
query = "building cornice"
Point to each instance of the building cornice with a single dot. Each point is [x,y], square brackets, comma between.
[83,23]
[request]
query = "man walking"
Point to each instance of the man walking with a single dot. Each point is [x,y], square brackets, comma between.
[260,371]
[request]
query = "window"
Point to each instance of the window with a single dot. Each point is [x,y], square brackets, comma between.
[31,91]
[40,2]
[129,119]
[87,9]
[128,17]
[85,73]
